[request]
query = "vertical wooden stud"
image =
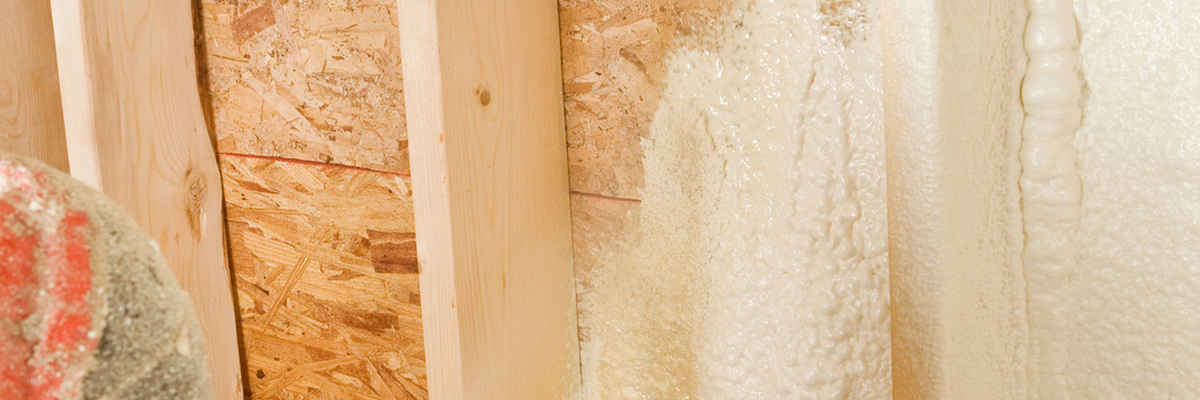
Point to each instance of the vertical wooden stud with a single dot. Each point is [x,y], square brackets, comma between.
[30,113]
[485,119]
[137,131]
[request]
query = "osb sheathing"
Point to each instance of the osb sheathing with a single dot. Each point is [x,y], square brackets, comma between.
[305,100]
[309,80]
[326,270]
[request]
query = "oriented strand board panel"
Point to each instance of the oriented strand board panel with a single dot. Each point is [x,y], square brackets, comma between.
[310,80]
[290,83]
[31,120]
[131,96]
[326,269]
[491,194]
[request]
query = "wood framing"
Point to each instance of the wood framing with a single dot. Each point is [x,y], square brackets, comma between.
[135,128]
[485,119]
[30,113]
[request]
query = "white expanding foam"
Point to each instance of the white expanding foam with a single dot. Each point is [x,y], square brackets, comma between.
[1050,188]
[1124,314]
[1038,238]
[761,267]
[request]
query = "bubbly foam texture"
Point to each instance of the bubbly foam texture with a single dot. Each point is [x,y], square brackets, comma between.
[1126,315]
[1050,180]
[760,270]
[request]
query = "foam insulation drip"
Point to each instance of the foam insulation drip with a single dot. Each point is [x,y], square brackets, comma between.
[1113,296]
[1050,183]
[760,268]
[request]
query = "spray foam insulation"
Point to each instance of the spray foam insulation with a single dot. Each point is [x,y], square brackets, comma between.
[752,262]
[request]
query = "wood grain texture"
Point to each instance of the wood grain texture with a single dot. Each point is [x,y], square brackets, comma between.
[309,80]
[326,269]
[132,85]
[482,84]
[31,120]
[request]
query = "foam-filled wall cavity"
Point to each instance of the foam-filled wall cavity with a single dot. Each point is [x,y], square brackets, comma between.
[757,262]
[1041,200]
